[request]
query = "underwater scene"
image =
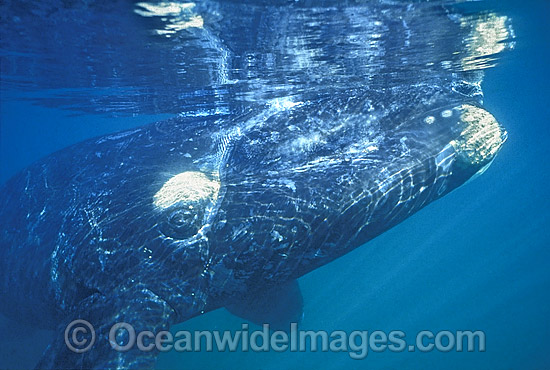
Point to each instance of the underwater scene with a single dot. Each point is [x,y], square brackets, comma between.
[319,184]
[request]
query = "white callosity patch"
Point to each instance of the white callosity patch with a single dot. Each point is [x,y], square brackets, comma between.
[446,113]
[429,120]
[187,188]
[481,137]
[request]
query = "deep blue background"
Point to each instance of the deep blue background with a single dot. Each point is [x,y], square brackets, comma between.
[479,259]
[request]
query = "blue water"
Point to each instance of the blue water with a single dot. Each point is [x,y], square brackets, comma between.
[478,259]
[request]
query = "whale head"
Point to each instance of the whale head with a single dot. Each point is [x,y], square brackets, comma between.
[475,139]
[480,139]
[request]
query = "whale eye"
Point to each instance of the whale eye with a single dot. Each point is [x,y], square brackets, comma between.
[182,223]
[181,218]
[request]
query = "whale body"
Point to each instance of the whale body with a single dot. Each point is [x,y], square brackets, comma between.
[331,122]
[168,221]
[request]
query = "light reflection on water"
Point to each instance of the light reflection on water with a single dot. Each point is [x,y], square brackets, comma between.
[170,57]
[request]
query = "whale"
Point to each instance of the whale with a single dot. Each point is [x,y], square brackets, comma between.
[301,132]
[159,224]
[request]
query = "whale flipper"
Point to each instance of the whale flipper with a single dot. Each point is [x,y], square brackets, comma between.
[277,307]
[138,307]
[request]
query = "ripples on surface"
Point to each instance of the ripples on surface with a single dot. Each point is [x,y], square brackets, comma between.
[214,57]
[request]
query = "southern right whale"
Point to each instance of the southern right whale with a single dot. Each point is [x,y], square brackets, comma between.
[158,224]
[162,223]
